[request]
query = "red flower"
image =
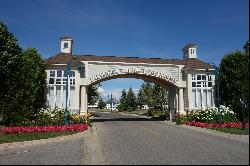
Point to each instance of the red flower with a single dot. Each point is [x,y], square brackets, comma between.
[225,125]
[56,128]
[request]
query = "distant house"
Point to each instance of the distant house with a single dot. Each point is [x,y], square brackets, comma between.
[145,107]
[94,106]
[114,106]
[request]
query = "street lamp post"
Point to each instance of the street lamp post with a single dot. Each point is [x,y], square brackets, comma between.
[67,74]
[217,89]
[243,106]
[110,103]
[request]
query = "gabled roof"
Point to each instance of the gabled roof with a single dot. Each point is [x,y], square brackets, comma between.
[62,58]
[193,63]
[66,37]
[190,45]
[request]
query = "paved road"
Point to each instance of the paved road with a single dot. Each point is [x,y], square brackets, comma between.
[125,139]
[67,150]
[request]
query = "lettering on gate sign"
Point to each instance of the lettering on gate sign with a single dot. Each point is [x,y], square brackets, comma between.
[114,72]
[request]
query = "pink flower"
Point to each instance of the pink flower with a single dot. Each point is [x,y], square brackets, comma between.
[55,128]
[225,125]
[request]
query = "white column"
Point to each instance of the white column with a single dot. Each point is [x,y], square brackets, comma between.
[176,99]
[189,90]
[83,99]
[77,91]
[54,104]
[181,102]
[213,92]
[171,102]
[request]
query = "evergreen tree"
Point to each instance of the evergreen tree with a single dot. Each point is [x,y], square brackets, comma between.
[140,98]
[123,105]
[123,97]
[131,100]
[93,94]
[101,104]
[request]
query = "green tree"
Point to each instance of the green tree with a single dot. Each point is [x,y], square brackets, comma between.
[234,80]
[140,101]
[123,104]
[10,66]
[131,100]
[93,94]
[159,97]
[153,95]
[101,104]
[22,80]
[146,94]
[33,81]
[246,47]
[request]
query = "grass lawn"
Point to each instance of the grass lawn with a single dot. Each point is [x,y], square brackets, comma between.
[136,112]
[237,131]
[20,137]
[98,110]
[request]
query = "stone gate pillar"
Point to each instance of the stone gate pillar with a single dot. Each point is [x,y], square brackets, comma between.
[83,100]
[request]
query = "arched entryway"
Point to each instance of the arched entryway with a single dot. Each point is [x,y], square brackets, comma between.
[175,94]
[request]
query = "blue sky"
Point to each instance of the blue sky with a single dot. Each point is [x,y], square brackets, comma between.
[143,28]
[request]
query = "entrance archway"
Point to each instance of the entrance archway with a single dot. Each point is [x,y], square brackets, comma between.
[161,80]
[190,87]
[171,101]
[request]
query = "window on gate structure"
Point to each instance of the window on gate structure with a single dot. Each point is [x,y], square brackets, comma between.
[201,91]
[56,96]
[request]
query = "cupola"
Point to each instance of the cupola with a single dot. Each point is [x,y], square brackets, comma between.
[189,51]
[66,45]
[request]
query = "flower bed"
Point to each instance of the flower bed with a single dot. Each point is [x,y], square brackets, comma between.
[54,128]
[225,125]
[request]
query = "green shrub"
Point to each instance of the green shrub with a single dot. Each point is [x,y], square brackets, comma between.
[130,109]
[121,107]
[227,114]
[181,120]
[50,116]
[154,112]
[190,118]
[162,116]
[151,112]
[211,115]
[75,119]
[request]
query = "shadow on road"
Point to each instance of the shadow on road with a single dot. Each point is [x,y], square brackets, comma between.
[126,119]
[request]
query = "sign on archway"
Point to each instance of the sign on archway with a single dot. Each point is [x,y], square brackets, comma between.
[126,71]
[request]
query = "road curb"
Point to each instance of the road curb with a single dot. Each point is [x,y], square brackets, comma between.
[135,115]
[6,146]
[244,138]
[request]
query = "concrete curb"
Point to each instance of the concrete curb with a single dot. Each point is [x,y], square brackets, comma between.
[244,138]
[6,146]
[135,115]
